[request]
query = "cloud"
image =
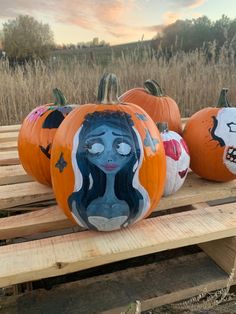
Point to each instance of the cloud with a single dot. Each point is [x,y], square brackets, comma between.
[187,3]
[171,17]
[110,16]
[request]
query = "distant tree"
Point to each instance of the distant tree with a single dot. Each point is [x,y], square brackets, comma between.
[24,39]
[191,34]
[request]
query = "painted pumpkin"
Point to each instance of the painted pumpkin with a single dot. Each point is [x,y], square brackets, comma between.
[211,138]
[108,162]
[160,107]
[36,137]
[177,159]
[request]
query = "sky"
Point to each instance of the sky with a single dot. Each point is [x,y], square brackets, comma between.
[115,21]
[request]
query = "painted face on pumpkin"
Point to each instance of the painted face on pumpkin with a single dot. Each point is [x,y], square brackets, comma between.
[107,155]
[224,131]
[177,158]
[109,148]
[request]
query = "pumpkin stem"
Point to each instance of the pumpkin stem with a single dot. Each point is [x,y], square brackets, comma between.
[60,98]
[223,101]
[162,127]
[108,89]
[153,88]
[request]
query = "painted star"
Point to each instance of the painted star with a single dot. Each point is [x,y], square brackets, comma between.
[61,163]
[149,141]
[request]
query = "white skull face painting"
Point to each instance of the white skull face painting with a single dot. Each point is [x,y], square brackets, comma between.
[224,131]
[177,161]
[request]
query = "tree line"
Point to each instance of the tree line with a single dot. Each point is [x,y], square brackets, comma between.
[26,39]
[188,35]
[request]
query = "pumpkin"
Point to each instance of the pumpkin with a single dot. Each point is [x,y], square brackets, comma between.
[160,107]
[177,159]
[36,137]
[108,162]
[211,138]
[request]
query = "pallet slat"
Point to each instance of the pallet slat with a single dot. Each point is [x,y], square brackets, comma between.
[10,128]
[23,193]
[13,174]
[47,219]
[8,146]
[8,137]
[195,190]
[180,278]
[72,252]
[9,158]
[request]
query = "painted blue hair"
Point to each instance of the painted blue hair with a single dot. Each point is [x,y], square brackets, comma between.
[124,189]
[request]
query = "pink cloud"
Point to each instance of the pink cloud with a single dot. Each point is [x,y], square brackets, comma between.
[111,16]
[187,3]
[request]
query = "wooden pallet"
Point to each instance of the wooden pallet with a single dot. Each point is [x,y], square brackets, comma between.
[40,242]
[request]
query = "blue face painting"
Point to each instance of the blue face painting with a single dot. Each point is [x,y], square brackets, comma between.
[109,148]
[107,153]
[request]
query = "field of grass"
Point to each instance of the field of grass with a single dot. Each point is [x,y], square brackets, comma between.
[191,79]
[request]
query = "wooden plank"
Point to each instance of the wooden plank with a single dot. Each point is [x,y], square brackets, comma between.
[223,252]
[59,255]
[13,174]
[197,190]
[23,193]
[8,146]
[42,220]
[9,158]
[32,223]
[154,285]
[10,128]
[8,137]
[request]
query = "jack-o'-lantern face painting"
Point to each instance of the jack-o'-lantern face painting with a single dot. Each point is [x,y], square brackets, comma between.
[36,136]
[211,138]
[108,170]
[177,159]
[224,132]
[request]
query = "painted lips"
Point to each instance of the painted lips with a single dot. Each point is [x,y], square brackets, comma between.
[183,173]
[110,167]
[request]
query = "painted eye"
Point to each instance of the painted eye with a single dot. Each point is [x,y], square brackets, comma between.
[123,149]
[96,148]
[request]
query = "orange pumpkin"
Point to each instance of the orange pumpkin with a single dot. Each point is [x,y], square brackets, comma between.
[211,138]
[160,107]
[36,137]
[108,162]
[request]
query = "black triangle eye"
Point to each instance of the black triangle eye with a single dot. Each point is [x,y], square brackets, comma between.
[53,120]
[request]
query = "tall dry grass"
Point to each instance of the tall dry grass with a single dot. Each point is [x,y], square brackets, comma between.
[191,79]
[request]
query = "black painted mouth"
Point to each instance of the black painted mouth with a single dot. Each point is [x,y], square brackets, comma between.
[231,154]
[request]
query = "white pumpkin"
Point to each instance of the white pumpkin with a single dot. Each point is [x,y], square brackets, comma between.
[177,159]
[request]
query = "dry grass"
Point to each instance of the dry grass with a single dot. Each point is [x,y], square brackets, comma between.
[192,80]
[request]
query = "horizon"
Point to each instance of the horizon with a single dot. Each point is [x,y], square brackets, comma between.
[114,21]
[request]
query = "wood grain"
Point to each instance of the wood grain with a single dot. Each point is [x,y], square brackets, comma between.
[13,174]
[10,128]
[59,255]
[154,285]
[9,158]
[23,193]
[8,146]
[223,252]
[8,137]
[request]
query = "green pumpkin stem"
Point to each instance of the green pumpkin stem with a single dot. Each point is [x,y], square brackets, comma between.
[162,127]
[223,101]
[108,89]
[60,98]
[153,88]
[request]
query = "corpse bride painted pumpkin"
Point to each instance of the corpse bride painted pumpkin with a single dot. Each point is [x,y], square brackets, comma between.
[211,137]
[177,159]
[108,162]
